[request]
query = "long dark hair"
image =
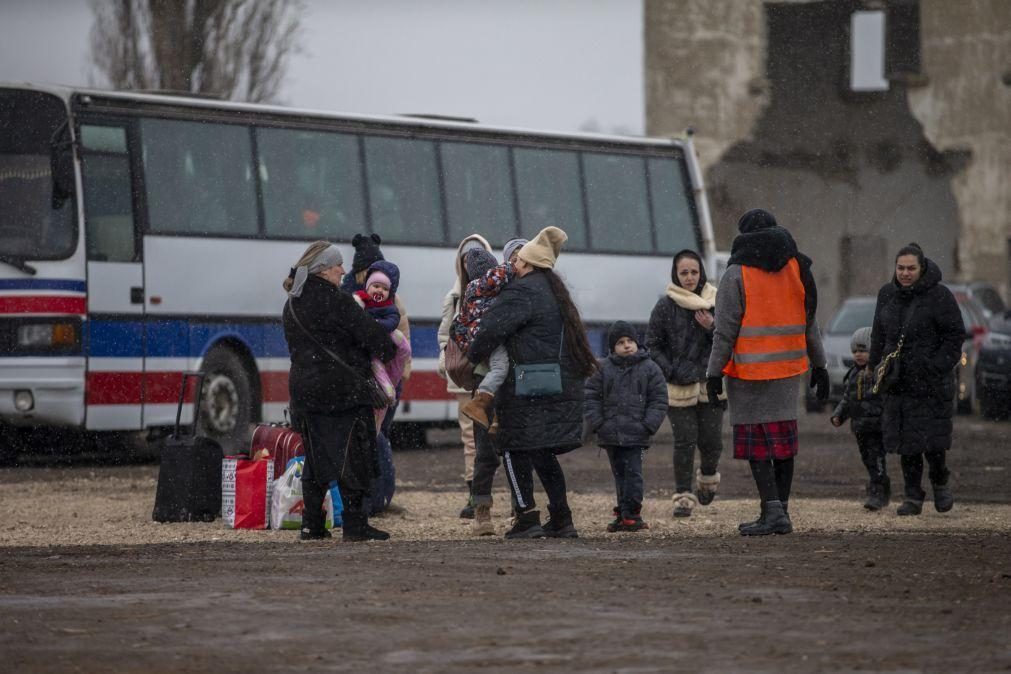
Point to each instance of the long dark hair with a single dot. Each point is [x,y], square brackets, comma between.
[912,249]
[576,343]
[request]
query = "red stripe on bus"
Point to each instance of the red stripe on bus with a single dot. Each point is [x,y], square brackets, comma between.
[132,388]
[426,386]
[38,304]
[274,386]
[163,387]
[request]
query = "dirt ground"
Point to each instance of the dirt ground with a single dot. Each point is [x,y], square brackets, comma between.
[89,583]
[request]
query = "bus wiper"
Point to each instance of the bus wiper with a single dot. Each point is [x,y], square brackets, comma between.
[19,264]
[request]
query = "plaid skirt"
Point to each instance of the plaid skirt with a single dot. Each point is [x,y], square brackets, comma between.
[763,442]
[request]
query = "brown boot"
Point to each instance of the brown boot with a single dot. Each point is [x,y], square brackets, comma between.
[479,409]
[482,525]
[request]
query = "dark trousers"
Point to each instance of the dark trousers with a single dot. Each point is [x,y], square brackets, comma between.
[912,472]
[486,463]
[313,497]
[872,454]
[520,467]
[626,466]
[696,427]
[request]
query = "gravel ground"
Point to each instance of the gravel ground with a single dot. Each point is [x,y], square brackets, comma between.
[89,583]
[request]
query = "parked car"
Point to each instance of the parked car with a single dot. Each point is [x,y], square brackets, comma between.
[858,312]
[993,370]
[984,294]
[854,313]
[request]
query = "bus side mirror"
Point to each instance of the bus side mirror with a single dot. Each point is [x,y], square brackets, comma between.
[61,165]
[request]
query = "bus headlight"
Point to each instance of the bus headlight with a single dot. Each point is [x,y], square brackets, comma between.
[47,334]
[23,401]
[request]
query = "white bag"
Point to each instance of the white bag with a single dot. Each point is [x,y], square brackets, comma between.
[286,501]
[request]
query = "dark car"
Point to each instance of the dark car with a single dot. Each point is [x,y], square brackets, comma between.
[984,294]
[993,370]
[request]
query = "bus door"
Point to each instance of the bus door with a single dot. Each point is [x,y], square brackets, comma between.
[116,331]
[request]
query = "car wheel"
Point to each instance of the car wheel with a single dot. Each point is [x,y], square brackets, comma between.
[226,409]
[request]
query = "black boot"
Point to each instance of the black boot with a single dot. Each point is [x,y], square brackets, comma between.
[526,525]
[615,524]
[875,497]
[313,518]
[758,520]
[776,522]
[943,500]
[468,510]
[559,525]
[886,490]
[358,529]
[909,507]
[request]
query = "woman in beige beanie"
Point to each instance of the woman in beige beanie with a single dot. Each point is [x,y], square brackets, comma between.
[537,321]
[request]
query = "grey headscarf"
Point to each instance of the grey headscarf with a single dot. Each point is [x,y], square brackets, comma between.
[511,246]
[328,257]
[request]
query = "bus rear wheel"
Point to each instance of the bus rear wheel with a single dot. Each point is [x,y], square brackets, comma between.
[227,406]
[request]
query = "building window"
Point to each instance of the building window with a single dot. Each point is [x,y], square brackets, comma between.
[867,51]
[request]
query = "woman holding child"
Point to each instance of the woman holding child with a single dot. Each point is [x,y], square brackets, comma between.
[680,340]
[331,342]
[539,406]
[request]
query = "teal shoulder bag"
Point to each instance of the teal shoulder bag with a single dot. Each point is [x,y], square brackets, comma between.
[534,380]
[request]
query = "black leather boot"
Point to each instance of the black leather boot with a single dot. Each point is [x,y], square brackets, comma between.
[526,525]
[357,529]
[875,497]
[758,520]
[776,522]
[559,524]
[313,518]
[943,500]
[909,507]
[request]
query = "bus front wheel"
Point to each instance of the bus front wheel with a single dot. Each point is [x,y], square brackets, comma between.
[227,407]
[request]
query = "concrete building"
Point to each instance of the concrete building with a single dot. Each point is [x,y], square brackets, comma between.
[862,124]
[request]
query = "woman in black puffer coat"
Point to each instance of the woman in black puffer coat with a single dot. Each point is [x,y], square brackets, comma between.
[680,339]
[916,420]
[331,403]
[536,320]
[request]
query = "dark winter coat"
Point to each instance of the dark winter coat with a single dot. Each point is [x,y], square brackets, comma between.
[626,400]
[678,344]
[916,415]
[316,383]
[860,404]
[526,318]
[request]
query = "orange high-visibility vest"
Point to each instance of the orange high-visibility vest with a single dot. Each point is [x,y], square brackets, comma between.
[772,342]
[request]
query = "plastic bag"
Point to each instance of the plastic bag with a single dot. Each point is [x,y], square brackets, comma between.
[286,502]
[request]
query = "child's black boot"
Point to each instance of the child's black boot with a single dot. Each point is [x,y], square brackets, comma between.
[615,524]
[559,524]
[526,525]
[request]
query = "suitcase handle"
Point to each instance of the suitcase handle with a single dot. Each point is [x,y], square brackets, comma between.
[182,397]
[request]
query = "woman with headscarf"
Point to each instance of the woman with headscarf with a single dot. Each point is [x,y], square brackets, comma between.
[918,319]
[766,338]
[331,341]
[540,405]
[680,339]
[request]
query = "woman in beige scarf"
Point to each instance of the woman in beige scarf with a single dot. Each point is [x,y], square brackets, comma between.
[680,338]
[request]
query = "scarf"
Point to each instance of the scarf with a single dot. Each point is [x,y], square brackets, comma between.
[686,299]
[328,257]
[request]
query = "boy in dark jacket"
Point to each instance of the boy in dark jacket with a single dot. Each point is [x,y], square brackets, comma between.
[863,407]
[625,403]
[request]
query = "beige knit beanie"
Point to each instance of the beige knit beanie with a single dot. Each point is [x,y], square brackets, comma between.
[543,250]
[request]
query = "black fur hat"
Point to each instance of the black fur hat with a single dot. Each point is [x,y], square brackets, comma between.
[366,251]
[618,330]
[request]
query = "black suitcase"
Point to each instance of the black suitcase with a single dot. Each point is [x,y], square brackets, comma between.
[189,480]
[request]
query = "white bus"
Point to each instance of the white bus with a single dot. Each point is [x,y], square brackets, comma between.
[144,235]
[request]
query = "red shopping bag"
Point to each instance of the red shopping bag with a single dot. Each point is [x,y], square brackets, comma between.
[245,492]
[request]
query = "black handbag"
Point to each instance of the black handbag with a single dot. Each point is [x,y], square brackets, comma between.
[377,399]
[889,370]
[534,380]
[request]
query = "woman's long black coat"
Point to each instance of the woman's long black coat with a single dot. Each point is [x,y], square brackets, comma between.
[526,318]
[917,414]
[678,344]
[329,404]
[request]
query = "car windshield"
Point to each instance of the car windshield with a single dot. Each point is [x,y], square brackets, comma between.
[852,315]
[30,228]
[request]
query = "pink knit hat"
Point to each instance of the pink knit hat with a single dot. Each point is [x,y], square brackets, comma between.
[378,277]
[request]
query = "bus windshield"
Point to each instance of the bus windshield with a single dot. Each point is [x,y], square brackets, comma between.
[30,227]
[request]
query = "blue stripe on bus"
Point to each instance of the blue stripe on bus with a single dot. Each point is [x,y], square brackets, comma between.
[42,284]
[178,338]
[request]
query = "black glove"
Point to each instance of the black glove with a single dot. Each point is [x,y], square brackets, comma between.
[714,389]
[819,382]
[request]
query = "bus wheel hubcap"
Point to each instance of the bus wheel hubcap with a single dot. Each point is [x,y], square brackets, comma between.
[222,404]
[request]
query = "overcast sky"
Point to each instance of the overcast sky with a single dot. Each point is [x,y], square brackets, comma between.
[554,64]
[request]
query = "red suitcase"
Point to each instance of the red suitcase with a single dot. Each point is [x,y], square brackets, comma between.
[281,441]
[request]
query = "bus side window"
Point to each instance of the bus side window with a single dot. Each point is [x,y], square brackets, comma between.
[199,178]
[617,201]
[312,184]
[550,194]
[108,203]
[478,190]
[673,214]
[404,190]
